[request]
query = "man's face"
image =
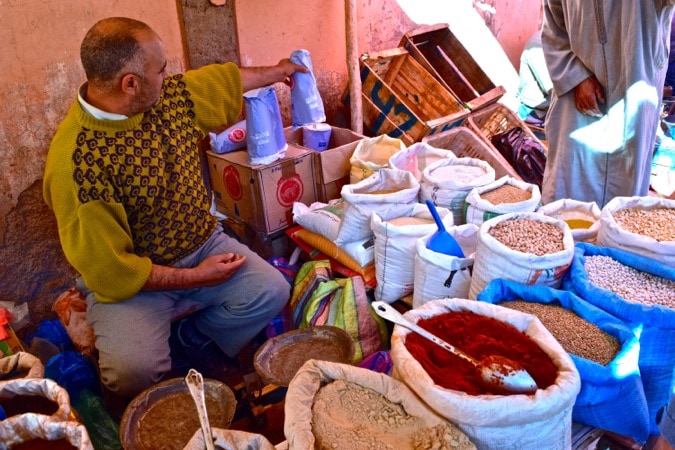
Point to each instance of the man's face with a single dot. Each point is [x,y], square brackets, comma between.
[152,77]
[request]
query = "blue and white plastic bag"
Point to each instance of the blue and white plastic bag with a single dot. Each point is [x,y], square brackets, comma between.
[306,104]
[265,138]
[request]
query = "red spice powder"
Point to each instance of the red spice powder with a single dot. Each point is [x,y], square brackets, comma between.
[479,337]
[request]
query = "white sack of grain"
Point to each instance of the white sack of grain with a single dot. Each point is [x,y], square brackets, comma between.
[447,183]
[418,157]
[372,155]
[389,192]
[395,241]
[320,218]
[660,248]
[441,276]
[315,375]
[542,420]
[478,210]
[569,210]
[494,259]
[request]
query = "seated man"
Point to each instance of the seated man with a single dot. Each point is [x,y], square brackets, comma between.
[123,179]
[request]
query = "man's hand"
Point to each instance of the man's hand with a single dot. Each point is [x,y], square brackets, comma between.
[288,68]
[589,97]
[211,271]
[219,268]
[257,77]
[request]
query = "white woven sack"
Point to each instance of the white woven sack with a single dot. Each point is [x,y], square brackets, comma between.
[479,210]
[495,260]
[417,157]
[451,191]
[372,155]
[395,251]
[441,276]
[230,439]
[361,200]
[314,374]
[523,422]
[320,218]
[610,234]
[567,208]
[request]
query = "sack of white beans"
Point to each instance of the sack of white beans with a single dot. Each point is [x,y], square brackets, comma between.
[604,350]
[395,240]
[529,248]
[503,196]
[447,183]
[438,275]
[641,292]
[642,225]
[417,157]
[388,192]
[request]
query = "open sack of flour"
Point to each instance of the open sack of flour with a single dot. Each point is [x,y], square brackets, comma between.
[395,241]
[447,182]
[418,157]
[529,248]
[643,225]
[265,139]
[438,275]
[388,192]
[372,155]
[306,104]
[332,405]
[542,420]
[505,195]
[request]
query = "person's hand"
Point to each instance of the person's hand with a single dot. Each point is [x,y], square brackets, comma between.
[219,268]
[589,97]
[288,68]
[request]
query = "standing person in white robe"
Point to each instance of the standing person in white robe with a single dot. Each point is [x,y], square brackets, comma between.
[607,60]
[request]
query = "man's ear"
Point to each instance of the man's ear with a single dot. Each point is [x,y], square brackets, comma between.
[130,84]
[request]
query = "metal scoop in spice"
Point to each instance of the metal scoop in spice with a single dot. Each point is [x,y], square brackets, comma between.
[499,373]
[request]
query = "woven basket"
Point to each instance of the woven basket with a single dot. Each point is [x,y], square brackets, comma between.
[496,119]
[465,143]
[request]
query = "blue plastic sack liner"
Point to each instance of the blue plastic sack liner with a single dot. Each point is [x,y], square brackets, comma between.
[607,392]
[306,104]
[655,325]
[265,139]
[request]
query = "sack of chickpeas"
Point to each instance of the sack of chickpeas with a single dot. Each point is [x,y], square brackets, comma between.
[529,248]
[438,275]
[503,196]
[641,292]
[603,348]
[447,183]
[643,225]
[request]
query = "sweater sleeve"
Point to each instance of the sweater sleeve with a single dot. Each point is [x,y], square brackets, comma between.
[216,91]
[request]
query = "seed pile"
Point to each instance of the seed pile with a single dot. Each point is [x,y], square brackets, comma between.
[506,193]
[629,283]
[575,334]
[529,236]
[655,223]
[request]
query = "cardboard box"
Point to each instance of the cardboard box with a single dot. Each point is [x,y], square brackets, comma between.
[443,55]
[403,100]
[332,165]
[262,195]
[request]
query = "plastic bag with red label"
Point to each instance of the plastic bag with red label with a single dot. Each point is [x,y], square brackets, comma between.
[230,139]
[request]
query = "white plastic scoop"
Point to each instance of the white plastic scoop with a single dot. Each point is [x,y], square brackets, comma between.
[195,383]
[497,372]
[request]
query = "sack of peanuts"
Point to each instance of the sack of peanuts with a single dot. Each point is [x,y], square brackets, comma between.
[418,157]
[372,155]
[388,192]
[642,225]
[331,405]
[537,421]
[583,218]
[503,196]
[529,248]
[603,348]
[447,182]
[438,275]
[641,292]
[395,241]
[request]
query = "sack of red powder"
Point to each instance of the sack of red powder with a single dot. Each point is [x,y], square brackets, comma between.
[232,138]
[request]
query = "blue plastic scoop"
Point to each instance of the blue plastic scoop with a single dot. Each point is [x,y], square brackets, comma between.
[442,241]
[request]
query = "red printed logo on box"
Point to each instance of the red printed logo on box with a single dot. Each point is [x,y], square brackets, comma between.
[289,190]
[232,183]
[237,135]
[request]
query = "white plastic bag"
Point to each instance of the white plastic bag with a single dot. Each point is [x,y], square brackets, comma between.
[320,218]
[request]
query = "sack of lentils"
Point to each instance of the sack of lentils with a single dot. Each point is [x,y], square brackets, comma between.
[503,196]
[452,387]
[642,225]
[529,248]
[604,349]
[641,292]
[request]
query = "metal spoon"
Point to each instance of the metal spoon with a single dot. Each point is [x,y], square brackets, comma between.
[195,384]
[497,372]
